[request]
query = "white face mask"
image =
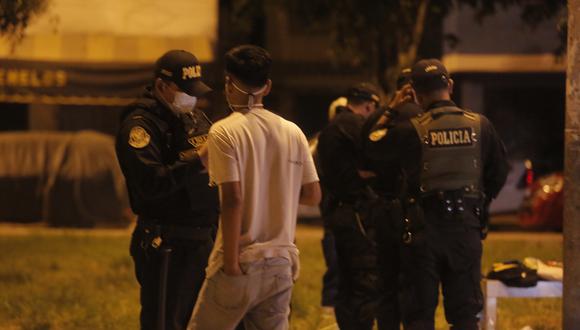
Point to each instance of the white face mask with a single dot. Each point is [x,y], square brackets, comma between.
[183,103]
[251,97]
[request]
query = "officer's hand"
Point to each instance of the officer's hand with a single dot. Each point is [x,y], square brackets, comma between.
[405,94]
[189,156]
[366,174]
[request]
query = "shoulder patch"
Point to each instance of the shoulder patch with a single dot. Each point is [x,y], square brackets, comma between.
[139,138]
[378,134]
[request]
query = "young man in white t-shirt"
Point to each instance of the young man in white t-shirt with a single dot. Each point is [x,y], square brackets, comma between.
[263,167]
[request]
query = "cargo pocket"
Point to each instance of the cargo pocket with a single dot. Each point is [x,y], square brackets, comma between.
[229,291]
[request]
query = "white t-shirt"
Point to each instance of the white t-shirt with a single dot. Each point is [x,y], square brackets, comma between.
[270,158]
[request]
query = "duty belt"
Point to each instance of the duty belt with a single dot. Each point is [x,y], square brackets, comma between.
[455,201]
[170,232]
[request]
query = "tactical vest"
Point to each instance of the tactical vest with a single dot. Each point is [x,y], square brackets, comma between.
[451,150]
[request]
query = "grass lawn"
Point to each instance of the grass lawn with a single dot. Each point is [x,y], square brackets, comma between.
[71,279]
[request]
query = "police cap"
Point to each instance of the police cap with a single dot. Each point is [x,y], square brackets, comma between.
[182,68]
[429,75]
[363,91]
[404,78]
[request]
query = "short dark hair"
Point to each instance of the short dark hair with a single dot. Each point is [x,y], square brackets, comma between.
[250,64]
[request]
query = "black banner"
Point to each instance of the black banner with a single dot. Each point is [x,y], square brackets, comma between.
[72,83]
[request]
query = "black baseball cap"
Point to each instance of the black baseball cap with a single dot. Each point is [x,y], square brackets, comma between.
[366,91]
[183,68]
[404,78]
[429,75]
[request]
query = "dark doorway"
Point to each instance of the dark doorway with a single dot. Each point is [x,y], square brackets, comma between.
[14,117]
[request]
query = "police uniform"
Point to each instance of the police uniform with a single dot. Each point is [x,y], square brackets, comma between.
[453,163]
[330,277]
[346,213]
[387,184]
[177,210]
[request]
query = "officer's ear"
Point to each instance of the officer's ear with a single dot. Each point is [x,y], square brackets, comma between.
[160,84]
[268,87]
[370,107]
[227,87]
[450,86]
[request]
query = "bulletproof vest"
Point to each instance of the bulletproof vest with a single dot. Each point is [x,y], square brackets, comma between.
[451,150]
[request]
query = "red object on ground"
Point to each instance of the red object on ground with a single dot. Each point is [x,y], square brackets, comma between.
[543,205]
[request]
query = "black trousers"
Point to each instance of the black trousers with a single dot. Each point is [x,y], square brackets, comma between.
[330,278]
[186,273]
[446,251]
[360,299]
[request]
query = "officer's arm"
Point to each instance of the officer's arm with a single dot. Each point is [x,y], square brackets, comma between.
[376,119]
[496,166]
[384,147]
[195,121]
[141,154]
[190,156]
[372,120]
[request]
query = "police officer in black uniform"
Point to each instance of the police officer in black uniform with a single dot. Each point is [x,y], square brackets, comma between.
[401,108]
[157,146]
[330,277]
[453,164]
[347,198]
[387,185]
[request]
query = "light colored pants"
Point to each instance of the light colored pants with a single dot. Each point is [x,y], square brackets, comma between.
[261,297]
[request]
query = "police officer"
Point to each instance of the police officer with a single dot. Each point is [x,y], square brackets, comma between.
[401,108]
[157,147]
[453,163]
[387,184]
[330,277]
[347,196]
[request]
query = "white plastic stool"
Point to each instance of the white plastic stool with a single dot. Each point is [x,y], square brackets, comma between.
[494,289]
